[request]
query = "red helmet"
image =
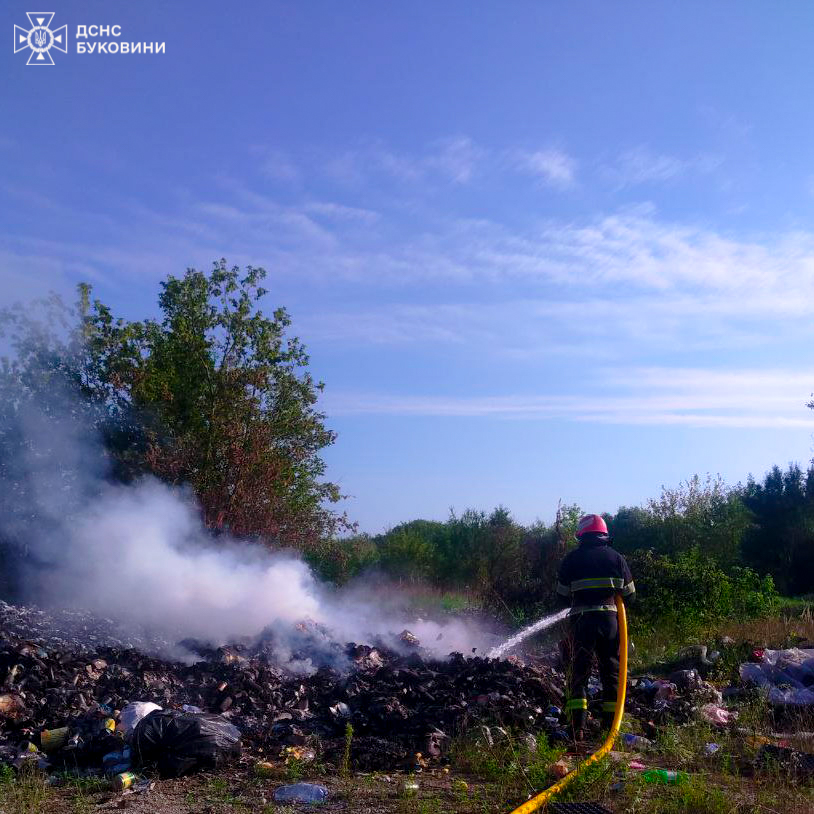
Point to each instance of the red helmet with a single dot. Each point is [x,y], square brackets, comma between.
[590,522]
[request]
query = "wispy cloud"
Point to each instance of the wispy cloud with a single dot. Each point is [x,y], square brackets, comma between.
[340,212]
[646,396]
[615,283]
[550,166]
[641,165]
[279,165]
[452,160]
[457,158]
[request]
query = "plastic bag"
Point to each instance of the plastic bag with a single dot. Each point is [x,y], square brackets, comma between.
[181,742]
[132,714]
[717,715]
[787,675]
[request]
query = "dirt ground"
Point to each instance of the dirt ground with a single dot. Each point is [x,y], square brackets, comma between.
[238,791]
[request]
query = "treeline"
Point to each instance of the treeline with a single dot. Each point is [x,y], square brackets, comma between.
[699,552]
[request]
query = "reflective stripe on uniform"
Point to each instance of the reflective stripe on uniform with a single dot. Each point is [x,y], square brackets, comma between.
[578,609]
[563,590]
[629,589]
[576,703]
[595,583]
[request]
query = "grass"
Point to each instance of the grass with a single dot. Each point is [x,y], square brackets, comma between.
[344,768]
[789,628]
[218,790]
[511,763]
[23,793]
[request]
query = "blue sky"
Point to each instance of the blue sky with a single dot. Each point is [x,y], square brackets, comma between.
[537,250]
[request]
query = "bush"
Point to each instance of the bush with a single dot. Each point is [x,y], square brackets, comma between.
[690,592]
[340,560]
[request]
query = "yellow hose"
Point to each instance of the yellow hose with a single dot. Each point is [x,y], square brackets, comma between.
[544,796]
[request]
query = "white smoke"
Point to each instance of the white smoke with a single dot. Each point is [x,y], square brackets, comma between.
[139,554]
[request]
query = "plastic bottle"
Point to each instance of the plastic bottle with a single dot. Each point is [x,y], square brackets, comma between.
[665,777]
[301,793]
[636,741]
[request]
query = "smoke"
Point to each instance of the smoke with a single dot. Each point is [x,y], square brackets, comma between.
[139,554]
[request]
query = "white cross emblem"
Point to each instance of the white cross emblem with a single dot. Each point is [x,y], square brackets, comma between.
[40,39]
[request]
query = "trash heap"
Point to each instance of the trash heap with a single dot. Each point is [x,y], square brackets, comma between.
[398,703]
[680,698]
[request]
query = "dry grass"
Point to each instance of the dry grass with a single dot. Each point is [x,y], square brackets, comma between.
[786,630]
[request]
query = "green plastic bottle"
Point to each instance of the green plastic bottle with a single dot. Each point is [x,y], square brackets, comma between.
[666,777]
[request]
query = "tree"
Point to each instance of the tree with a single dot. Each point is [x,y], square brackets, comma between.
[702,513]
[227,402]
[781,542]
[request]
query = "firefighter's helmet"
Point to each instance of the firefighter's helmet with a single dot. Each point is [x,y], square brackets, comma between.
[591,523]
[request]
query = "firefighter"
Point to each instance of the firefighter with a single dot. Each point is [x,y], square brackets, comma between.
[590,576]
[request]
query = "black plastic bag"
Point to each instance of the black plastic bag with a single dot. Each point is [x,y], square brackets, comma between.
[177,743]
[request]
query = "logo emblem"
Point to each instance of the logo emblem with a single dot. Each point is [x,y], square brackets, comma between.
[40,39]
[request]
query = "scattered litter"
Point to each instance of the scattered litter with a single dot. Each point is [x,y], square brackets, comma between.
[636,742]
[340,710]
[685,679]
[117,762]
[667,777]
[410,788]
[711,748]
[299,754]
[559,769]
[399,701]
[698,656]
[301,793]
[636,766]
[53,739]
[11,706]
[665,690]
[124,781]
[717,715]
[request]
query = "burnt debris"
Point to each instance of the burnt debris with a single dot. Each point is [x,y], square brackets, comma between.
[77,674]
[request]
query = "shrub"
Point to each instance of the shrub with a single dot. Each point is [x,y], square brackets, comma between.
[690,592]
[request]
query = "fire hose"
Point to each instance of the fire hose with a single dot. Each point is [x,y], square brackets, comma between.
[545,796]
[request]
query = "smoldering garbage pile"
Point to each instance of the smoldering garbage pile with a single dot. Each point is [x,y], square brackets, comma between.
[398,703]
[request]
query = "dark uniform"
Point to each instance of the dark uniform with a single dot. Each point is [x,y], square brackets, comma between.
[590,576]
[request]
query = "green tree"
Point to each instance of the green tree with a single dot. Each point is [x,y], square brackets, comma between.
[703,513]
[228,403]
[781,540]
